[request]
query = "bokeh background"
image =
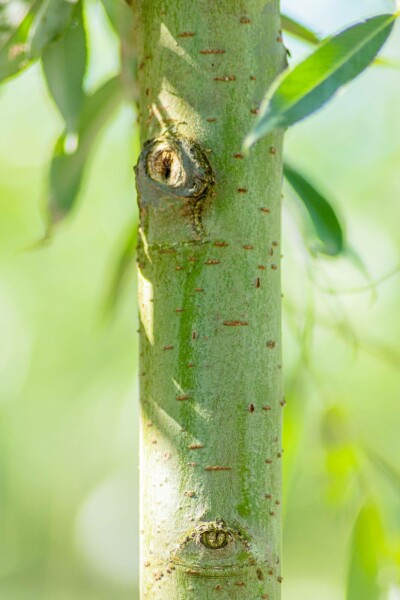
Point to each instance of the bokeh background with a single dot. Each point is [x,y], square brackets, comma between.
[68,346]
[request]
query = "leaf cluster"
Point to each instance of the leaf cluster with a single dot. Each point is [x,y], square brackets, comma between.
[54,32]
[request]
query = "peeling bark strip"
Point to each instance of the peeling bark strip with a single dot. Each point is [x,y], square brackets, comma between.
[210,355]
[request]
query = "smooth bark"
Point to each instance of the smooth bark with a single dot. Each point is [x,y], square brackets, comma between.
[210,302]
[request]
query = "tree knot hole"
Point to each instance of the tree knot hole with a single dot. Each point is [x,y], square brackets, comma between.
[177,166]
[165,167]
[215,539]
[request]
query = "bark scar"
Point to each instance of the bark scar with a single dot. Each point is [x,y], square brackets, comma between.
[214,549]
[175,167]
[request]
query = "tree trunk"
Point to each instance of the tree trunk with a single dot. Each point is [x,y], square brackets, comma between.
[210,302]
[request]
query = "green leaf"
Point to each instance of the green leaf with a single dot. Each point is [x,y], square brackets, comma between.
[15,23]
[122,20]
[305,34]
[338,60]
[120,16]
[298,30]
[366,547]
[53,17]
[384,467]
[124,266]
[26,28]
[341,456]
[326,223]
[67,167]
[64,64]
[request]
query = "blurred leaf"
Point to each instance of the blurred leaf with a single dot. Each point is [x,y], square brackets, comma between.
[15,23]
[384,467]
[341,457]
[383,61]
[326,223]
[334,428]
[366,547]
[26,28]
[64,64]
[67,167]
[300,92]
[122,19]
[354,257]
[124,265]
[53,17]
[298,30]
[120,16]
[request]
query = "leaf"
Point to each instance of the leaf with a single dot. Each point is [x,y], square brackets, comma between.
[64,64]
[341,457]
[53,17]
[26,27]
[122,20]
[298,30]
[305,34]
[15,23]
[326,223]
[338,60]
[383,61]
[67,167]
[124,265]
[384,467]
[120,16]
[366,547]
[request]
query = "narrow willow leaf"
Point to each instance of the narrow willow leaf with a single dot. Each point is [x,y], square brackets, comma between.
[53,17]
[122,20]
[338,60]
[64,64]
[15,24]
[298,30]
[305,34]
[124,266]
[67,168]
[326,223]
[25,30]
[366,547]
[120,16]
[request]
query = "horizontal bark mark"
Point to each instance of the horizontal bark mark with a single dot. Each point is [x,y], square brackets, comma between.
[212,51]
[226,78]
[218,468]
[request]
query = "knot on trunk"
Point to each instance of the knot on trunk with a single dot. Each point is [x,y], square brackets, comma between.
[214,548]
[173,168]
[176,166]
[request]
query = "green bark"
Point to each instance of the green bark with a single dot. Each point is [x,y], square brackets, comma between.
[210,302]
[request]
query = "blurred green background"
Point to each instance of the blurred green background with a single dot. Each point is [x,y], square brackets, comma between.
[68,357]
